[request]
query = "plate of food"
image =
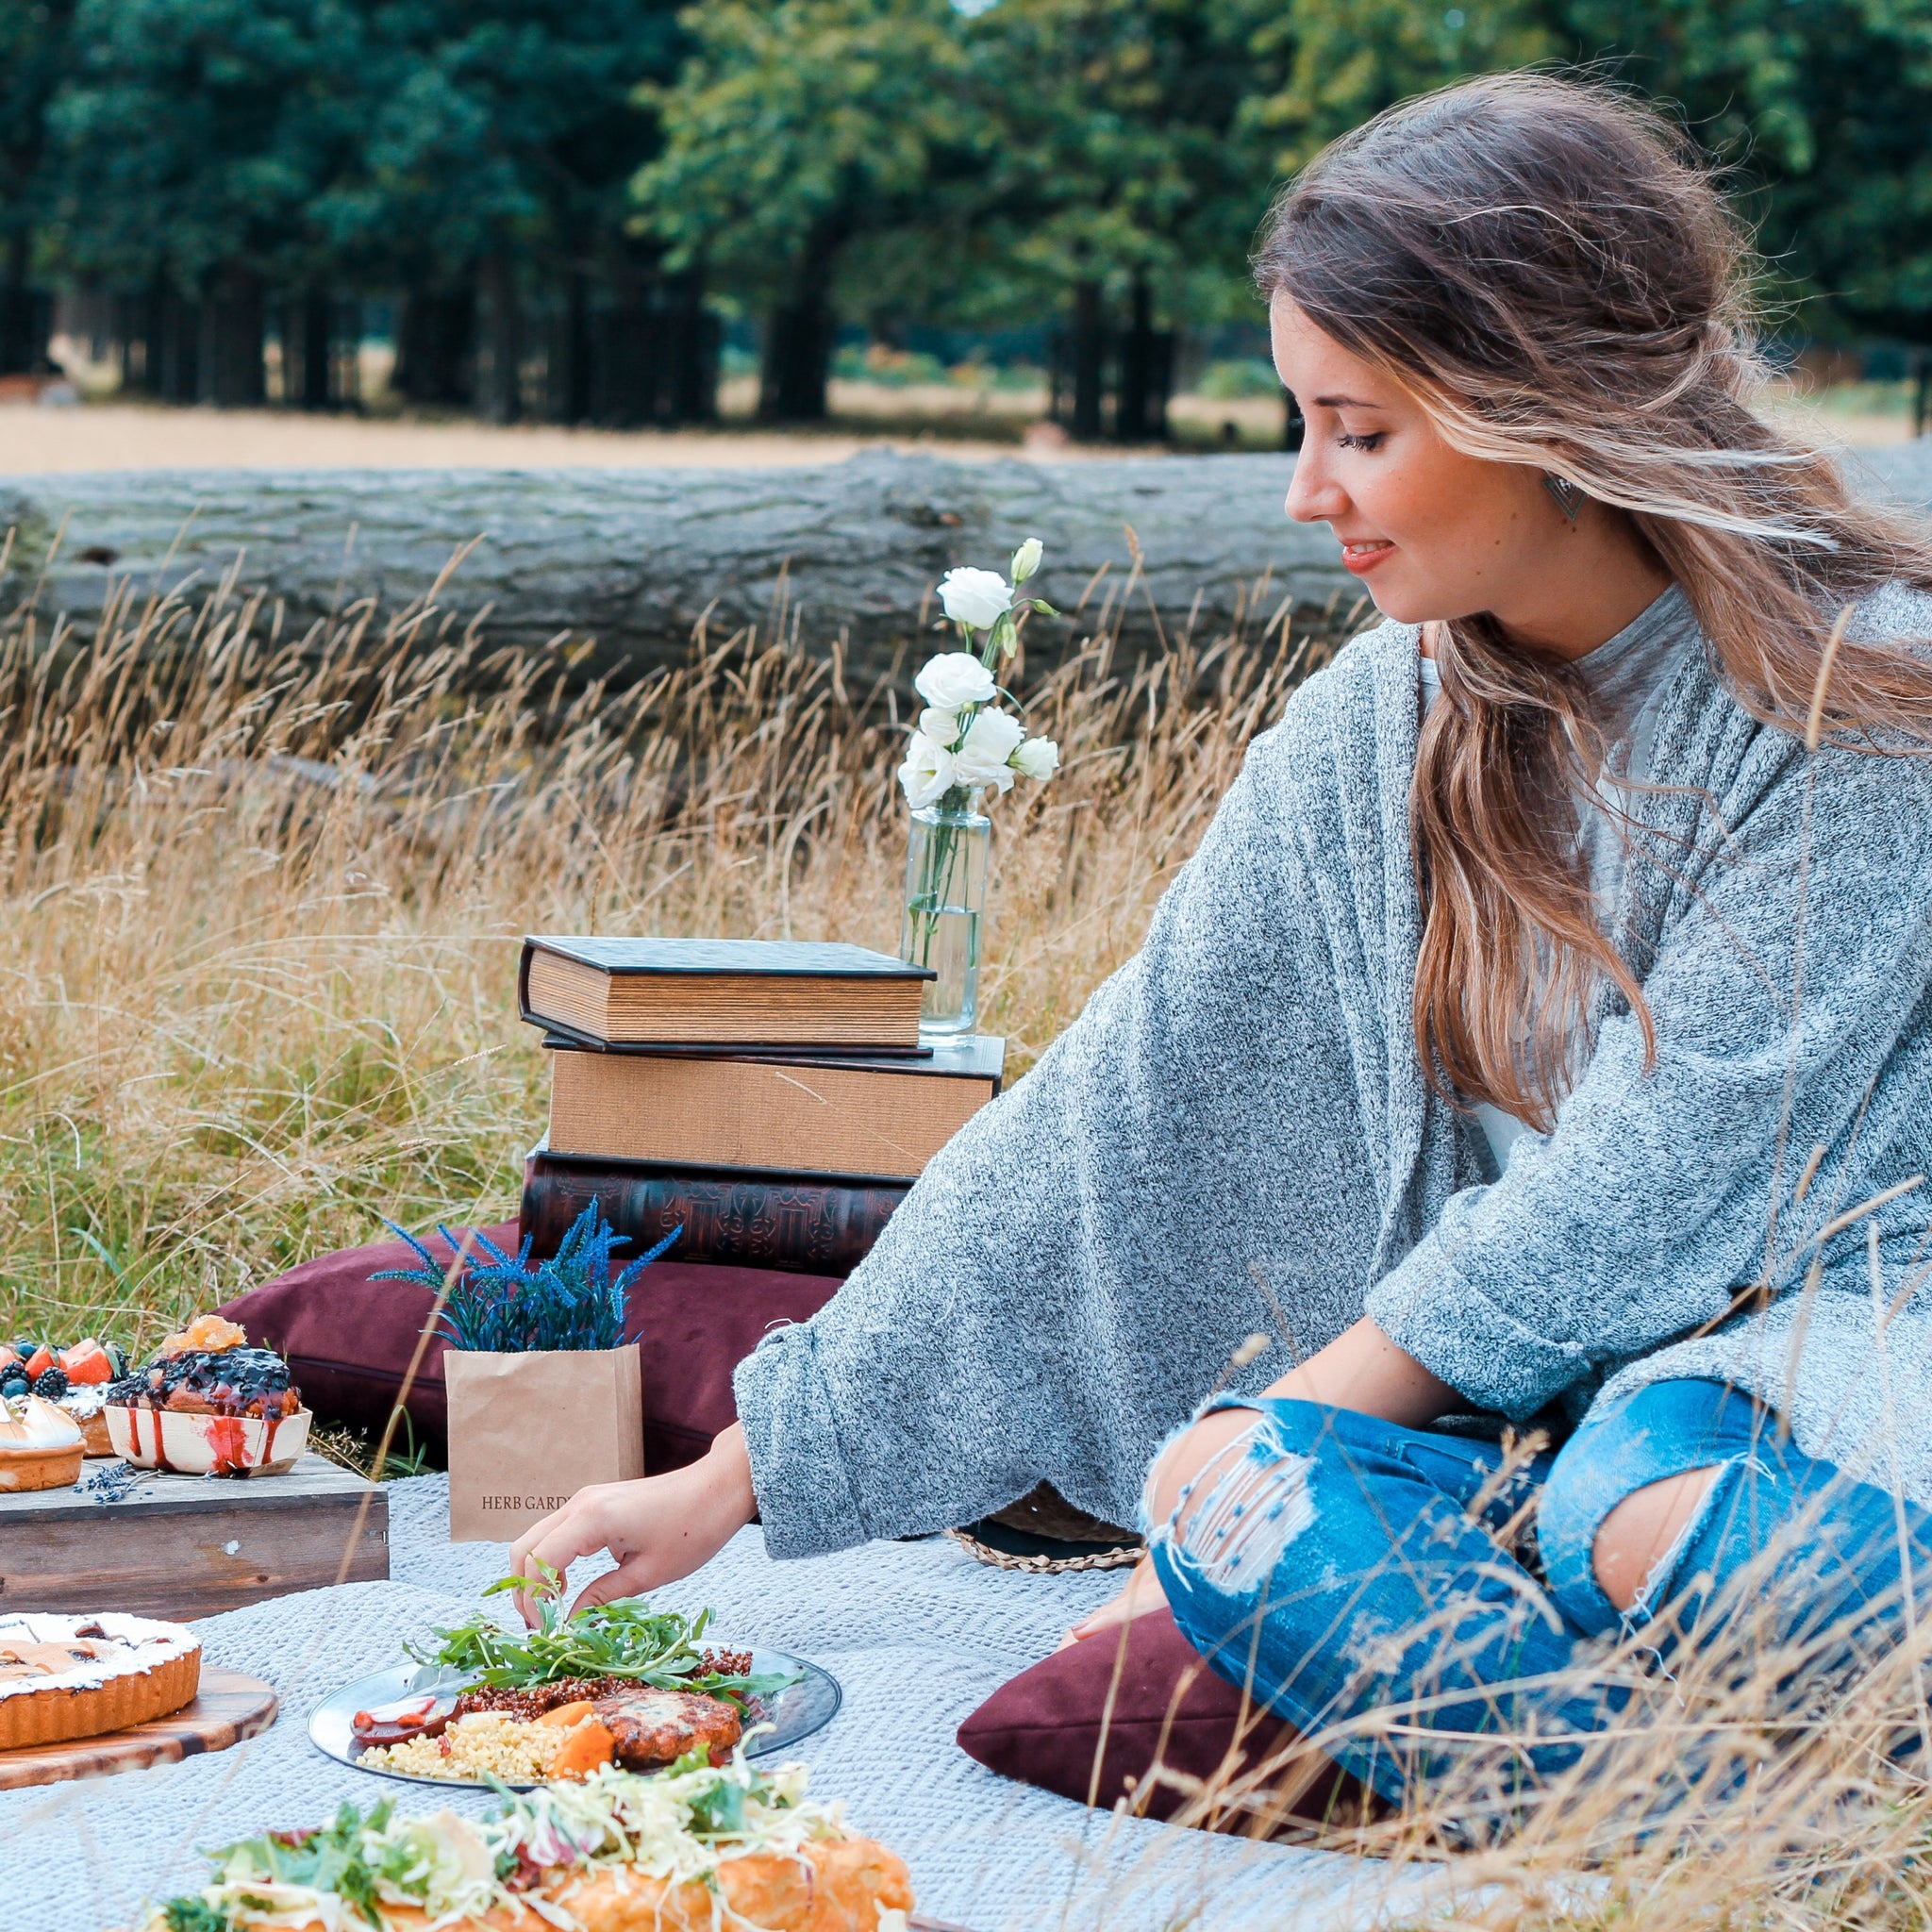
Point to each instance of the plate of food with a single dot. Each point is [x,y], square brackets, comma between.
[617,1685]
[688,1851]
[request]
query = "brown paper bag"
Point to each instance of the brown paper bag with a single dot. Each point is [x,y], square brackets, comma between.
[527,1431]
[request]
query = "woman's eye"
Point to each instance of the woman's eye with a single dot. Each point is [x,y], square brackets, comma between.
[1371,441]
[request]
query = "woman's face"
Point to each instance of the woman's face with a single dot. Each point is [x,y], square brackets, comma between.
[1432,533]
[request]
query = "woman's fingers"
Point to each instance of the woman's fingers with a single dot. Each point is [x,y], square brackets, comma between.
[578,1529]
[1142,1595]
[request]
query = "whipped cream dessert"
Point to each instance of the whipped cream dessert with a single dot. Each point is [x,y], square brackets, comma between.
[31,1424]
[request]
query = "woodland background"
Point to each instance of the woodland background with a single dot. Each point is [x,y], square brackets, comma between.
[588,212]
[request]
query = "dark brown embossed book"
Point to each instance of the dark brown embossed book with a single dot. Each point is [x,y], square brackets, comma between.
[815,1224]
[720,992]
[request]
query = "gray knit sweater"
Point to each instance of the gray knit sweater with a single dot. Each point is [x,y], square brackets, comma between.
[1235,1138]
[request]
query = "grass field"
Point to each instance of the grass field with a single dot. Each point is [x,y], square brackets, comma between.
[263,905]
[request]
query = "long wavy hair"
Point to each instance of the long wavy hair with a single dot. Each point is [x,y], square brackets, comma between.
[1550,271]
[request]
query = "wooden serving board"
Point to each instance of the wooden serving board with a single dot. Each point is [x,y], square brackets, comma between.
[186,1546]
[228,1709]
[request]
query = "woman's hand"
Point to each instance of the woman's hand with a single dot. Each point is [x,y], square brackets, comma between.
[658,1528]
[1143,1593]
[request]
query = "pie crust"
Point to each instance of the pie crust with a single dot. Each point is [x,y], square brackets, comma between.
[58,1468]
[64,1678]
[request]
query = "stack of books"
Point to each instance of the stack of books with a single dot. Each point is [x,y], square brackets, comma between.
[773,1098]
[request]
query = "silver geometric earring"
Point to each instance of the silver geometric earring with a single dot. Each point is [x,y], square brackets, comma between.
[1569,498]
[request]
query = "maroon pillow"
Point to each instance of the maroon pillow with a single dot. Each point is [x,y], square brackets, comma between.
[1045,1726]
[349,1338]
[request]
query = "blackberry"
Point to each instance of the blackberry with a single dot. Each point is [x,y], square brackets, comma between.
[52,1385]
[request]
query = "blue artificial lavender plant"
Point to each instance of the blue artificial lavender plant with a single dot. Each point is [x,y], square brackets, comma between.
[504,1306]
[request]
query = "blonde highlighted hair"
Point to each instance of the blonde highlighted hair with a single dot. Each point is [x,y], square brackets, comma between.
[1551,272]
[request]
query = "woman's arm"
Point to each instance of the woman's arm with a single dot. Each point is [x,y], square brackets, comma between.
[1361,1369]
[658,1528]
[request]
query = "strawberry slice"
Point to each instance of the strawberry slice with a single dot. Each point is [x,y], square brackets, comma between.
[39,1362]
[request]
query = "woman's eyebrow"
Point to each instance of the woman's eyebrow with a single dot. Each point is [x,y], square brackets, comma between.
[1345,403]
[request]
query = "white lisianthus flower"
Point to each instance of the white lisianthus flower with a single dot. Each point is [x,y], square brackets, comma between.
[929,772]
[1026,559]
[989,742]
[976,598]
[1038,757]
[942,727]
[956,678]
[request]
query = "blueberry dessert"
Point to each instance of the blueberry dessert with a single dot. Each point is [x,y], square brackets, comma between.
[212,1381]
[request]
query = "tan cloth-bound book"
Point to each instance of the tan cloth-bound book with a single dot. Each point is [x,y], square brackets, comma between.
[818,1115]
[720,992]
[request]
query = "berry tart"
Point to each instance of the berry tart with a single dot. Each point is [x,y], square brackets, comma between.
[208,1405]
[79,1677]
[75,1377]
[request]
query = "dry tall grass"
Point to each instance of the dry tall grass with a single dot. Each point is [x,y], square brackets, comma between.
[263,897]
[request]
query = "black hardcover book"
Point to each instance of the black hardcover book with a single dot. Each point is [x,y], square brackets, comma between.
[741,1217]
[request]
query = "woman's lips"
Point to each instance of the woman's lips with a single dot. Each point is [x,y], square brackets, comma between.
[1363,557]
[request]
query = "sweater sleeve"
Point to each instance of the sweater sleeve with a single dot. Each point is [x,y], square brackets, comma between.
[1792,1007]
[1076,1268]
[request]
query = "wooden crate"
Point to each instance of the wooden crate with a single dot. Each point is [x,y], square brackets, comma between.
[185,1546]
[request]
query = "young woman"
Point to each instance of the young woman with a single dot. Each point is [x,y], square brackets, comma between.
[1542,1031]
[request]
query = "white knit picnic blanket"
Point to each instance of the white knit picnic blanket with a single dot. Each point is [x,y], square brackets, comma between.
[917,1633]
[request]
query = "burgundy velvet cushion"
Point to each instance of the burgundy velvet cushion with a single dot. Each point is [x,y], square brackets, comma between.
[1045,1726]
[349,1338]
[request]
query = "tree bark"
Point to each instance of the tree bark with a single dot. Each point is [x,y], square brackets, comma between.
[634,557]
[436,347]
[691,339]
[234,320]
[22,339]
[1088,342]
[500,361]
[316,349]
[799,335]
[1146,375]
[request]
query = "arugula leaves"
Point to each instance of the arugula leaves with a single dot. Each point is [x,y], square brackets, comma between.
[627,1639]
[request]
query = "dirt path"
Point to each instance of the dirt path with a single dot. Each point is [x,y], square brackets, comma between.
[36,438]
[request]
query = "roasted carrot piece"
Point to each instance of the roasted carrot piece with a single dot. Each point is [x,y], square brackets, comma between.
[583,1751]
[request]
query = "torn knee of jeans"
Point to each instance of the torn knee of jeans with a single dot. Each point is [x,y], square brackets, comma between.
[1231,1523]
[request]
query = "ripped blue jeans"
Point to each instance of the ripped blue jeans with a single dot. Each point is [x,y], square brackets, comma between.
[1343,1569]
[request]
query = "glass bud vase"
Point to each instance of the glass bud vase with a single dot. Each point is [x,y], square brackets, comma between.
[945,912]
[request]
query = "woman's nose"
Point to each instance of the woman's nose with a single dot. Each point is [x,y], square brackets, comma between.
[1313,497]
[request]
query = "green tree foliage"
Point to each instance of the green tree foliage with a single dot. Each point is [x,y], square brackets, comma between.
[1820,109]
[1823,109]
[795,133]
[199,136]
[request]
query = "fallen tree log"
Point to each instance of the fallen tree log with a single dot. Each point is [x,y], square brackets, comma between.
[636,559]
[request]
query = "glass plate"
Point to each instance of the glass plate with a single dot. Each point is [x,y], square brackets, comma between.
[795,1712]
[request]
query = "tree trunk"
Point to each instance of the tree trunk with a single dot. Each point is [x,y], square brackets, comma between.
[178,334]
[571,384]
[313,347]
[436,347]
[234,327]
[692,338]
[23,340]
[500,358]
[1146,375]
[633,558]
[1089,344]
[799,335]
